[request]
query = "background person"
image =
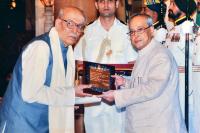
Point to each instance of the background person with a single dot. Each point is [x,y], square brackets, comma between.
[175,42]
[157,10]
[105,41]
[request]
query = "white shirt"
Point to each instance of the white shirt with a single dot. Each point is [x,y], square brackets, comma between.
[122,50]
[35,60]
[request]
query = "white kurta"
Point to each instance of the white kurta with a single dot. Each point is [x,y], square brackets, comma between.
[60,96]
[122,50]
[177,48]
[151,95]
[104,118]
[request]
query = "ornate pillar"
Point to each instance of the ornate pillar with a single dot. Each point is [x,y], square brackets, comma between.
[48,13]
[48,18]
[39,18]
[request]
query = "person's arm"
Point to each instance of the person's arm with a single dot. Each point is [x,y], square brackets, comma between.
[157,80]
[35,60]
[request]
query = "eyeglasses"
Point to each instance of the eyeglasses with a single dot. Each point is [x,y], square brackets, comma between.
[103,1]
[138,31]
[71,25]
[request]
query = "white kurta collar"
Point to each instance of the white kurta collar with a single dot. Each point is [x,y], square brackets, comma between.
[114,24]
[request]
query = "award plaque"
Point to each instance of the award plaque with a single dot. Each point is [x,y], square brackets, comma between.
[99,76]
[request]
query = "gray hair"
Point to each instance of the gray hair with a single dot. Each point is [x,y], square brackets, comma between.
[147,17]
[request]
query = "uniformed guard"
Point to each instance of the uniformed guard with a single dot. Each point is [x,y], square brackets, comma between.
[157,10]
[180,12]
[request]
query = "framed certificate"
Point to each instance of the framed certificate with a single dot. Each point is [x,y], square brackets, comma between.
[99,75]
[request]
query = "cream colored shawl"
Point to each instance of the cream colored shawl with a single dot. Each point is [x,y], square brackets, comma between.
[61,118]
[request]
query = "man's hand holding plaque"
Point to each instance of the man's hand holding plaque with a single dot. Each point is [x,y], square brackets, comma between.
[110,95]
[119,81]
[83,97]
[103,79]
[79,90]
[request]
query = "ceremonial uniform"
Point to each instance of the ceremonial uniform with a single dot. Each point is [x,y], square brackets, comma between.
[175,42]
[158,7]
[109,47]
[160,33]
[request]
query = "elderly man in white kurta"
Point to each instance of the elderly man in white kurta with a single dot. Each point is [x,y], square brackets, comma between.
[40,97]
[105,41]
[175,42]
[151,95]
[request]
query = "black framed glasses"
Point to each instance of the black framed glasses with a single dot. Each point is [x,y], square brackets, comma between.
[138,31]
[71,25]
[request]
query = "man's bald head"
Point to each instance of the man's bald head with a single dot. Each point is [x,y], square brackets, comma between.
[70,10]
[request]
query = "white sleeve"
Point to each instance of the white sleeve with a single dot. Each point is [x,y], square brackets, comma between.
[149,90]
[35,60]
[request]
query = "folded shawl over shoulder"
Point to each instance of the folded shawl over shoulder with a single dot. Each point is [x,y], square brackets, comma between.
[61,118]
